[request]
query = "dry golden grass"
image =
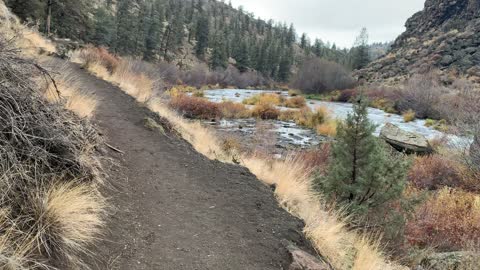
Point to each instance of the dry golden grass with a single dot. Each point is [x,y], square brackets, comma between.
[136,85]
[329,128]
[31,42]
[265,98]
[409,116]
[73,212]
[81,103]
[326,228]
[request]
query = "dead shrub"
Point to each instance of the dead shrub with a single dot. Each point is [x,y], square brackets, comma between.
[295,102]
[347,95]
[422,95]
[195,108]
[448,221]
[266,111]
[234,110]
[92,55]
[315,159]
[318,76]
[435,172]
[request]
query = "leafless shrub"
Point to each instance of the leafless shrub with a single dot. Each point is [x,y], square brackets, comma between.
[422,94]
[169,72]
[464,113]
[317,76]
[197,76]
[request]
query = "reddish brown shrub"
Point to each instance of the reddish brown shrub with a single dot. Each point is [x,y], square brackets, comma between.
[295,102]
[316,159]
[265,111]
[234,110]
[101,56]
[347,95]
[435,172]
[194,107]
[449,220]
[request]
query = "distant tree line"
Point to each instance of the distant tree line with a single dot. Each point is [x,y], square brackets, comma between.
[163,30]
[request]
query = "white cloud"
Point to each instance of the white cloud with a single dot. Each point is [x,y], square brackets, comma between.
[338,21]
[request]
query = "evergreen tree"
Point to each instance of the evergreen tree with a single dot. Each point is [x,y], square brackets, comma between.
[154,31]
[202,35]
[285,65]
[28,10]
[219,56]
[242,57]
[126,41]
[303,41]
[364,174]
[361,56]
[104,27]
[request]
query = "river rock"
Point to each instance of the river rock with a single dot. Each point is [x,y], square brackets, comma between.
[404,140]
[452,261]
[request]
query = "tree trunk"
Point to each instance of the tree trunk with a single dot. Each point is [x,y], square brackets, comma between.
[49,17]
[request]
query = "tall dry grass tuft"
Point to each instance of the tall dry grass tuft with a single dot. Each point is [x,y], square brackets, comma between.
[326,228]
[69,217]
[67,91]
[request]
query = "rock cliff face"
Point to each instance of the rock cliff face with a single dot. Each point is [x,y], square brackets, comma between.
[445,36]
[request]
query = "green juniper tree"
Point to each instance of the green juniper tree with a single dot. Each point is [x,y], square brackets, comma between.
[364,174]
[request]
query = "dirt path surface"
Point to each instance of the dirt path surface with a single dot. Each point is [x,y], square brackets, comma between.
[174,208]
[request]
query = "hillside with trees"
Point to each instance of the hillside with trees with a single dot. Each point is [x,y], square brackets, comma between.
[186,33]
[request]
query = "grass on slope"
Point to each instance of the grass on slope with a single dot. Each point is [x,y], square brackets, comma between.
[50,210]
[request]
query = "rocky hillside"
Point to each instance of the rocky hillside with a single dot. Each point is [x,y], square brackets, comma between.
[445,36]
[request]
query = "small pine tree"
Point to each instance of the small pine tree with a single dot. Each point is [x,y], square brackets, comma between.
[364,173]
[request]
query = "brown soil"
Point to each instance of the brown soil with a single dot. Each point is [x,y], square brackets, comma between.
[176,209]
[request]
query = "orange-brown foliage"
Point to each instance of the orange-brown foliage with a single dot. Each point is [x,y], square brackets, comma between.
[265,111]
[435,172]
[194,107]
[234,110]
[449,220]
[295,102]
[102,56]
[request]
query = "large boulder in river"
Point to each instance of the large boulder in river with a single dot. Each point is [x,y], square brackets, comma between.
[405,141]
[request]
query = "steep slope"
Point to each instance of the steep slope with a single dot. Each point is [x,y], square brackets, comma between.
[444,36]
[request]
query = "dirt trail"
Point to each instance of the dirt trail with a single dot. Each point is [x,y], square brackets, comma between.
[175,209]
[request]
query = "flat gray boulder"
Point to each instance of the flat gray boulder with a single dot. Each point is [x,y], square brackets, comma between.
[405,141]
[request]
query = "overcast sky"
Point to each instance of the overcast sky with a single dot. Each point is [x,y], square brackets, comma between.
[338,21]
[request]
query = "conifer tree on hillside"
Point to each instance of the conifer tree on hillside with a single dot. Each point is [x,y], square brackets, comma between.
[364,174]
[202,36]
[361,56]
[127,21]
[155,27]
[219,56]
[104,28]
